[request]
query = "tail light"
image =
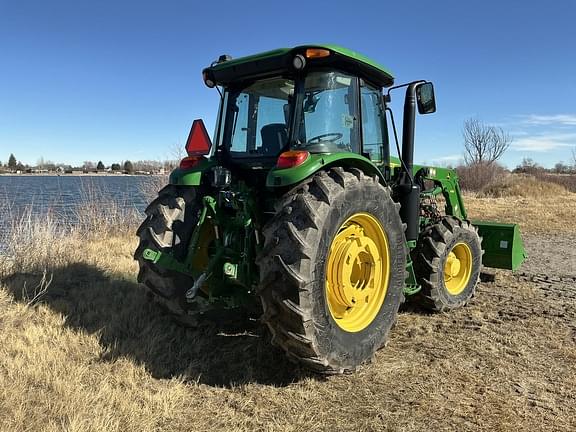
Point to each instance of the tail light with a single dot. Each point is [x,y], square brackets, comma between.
[190,162]
[291,159]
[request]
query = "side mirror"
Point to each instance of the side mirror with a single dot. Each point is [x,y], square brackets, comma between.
[425,98]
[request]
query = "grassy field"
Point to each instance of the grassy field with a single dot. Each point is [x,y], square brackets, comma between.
[82,349]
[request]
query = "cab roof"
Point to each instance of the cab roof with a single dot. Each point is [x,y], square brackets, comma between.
[279,61]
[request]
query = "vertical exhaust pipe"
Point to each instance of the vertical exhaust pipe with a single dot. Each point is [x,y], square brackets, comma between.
[408,190]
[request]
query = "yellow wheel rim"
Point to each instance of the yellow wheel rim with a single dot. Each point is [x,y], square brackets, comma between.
[357,272]
[458,268]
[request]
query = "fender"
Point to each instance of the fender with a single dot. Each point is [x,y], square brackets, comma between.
[190,177]
[289,176]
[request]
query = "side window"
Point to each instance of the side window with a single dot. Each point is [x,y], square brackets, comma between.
[240,132]
[372,122]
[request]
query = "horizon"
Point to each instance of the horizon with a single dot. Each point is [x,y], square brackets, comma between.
[116,82]
[526,162]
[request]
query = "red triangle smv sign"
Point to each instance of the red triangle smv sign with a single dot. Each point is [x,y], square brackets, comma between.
[198,142]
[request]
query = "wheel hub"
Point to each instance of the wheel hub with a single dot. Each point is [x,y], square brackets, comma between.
[458,268]
[356,260]
[357,272]
[453,265]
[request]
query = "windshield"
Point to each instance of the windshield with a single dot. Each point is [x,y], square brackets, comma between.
[327,115]
[257,118]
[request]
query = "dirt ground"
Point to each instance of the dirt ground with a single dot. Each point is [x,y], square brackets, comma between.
[94,354]
[552,254]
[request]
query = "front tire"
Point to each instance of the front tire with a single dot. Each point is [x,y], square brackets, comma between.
[332,270]
[447,262]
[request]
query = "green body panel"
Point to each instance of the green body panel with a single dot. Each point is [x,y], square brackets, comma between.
[447,179]
[502,244]
[190,177]
[289,176]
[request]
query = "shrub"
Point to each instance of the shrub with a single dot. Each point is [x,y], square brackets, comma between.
[521,185]
[475,177]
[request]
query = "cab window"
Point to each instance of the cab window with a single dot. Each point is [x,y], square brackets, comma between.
[373,122]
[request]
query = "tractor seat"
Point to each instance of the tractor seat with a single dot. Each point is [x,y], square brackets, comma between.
[274,138]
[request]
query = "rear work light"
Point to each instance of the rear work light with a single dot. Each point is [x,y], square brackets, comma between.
[190,162]
[291,159]
[208,80]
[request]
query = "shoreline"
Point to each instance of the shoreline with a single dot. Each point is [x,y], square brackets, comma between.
[78,175]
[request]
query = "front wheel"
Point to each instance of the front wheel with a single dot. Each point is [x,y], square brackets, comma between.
[447,262]
[332,270]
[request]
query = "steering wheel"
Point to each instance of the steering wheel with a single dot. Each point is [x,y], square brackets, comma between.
[325,137]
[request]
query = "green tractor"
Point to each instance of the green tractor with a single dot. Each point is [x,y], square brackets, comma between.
[298,211]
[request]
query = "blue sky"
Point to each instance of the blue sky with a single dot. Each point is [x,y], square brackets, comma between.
[112,80]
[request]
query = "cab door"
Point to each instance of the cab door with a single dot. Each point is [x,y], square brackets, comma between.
[374,133]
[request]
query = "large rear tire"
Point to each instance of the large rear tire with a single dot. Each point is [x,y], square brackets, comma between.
[447,262]
[332,270]
[169,222]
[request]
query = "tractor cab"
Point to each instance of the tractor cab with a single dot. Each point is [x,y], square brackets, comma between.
[309,100]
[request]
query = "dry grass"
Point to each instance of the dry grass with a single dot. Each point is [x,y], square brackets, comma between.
[522,185]
[537,206]
[93,354]
[567,181]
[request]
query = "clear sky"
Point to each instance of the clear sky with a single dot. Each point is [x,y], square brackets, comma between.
[116,80]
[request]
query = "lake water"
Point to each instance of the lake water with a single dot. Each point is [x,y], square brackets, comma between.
[61,196]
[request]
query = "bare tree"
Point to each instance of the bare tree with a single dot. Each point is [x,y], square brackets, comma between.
[177,152]
[560,168]
[483,144]
[574,158]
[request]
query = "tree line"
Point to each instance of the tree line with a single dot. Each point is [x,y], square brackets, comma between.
[128,167]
